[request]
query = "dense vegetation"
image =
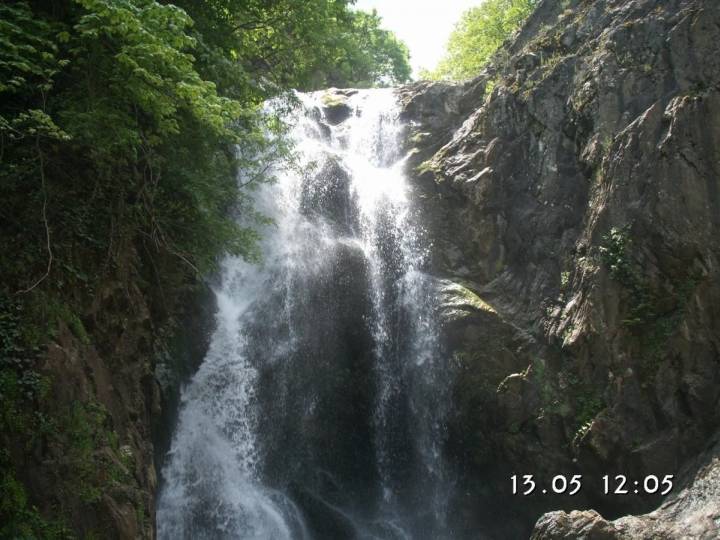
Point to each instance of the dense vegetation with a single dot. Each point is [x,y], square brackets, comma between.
[479,33]
[123,127]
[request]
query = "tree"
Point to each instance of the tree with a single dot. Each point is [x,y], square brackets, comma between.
[366,55]
[479,33]
[302,44]
[123,127]
[136,104]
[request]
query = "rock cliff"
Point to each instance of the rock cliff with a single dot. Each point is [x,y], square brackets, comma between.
[571,191]
[108,390]
[572,194]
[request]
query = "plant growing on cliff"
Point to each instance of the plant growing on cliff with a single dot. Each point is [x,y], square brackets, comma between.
[479,33]
[614,252]
[19,518]
[131,107]
[124,125]
[653,312]
[20,388]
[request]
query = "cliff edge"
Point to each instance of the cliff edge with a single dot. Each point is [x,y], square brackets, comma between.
[572,194]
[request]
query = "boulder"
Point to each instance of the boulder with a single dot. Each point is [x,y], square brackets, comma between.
[335,106]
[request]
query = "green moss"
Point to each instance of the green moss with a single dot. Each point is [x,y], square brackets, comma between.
[77,327]
[586,403]
[419,137]
[580,433]
[472,299]
[77,437]
[490,86]
[458,302]
[429,165]
[331,100]
[21,520]
[564,279]
[550,397]
[569,396]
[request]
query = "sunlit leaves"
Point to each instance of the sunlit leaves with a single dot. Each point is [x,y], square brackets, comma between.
[27,54]
[304,44]
[147,52]
[138,103]
[479,33]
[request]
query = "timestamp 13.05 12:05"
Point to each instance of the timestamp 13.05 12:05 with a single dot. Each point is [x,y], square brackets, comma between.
[619,484]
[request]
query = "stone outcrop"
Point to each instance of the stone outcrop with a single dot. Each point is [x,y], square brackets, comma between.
[571,191]
[335,105]
[692,512]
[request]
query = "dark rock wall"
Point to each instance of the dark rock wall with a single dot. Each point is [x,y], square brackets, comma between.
[111,407]
[572,190]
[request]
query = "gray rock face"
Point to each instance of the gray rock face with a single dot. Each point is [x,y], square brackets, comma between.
[574,189]
[587,525]
[692,513]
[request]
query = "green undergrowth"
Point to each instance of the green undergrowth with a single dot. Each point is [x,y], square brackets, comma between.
[21,426]
[20,519]
[73,444]
[570,396]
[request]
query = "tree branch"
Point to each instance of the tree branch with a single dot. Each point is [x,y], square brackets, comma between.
[45,221]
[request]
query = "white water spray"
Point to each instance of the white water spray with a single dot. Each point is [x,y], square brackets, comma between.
[318,411]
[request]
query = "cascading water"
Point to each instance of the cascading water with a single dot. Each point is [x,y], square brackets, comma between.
[319,409]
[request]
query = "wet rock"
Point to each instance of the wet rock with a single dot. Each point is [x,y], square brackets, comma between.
[335,105]
[104,383]
[434,104]
[325,352]
[327,195]
[527,61]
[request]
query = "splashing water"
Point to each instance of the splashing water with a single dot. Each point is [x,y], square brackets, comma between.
[318,411]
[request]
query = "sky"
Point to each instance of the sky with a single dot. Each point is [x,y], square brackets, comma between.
[424,25]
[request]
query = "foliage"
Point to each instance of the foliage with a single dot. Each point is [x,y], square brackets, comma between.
[19,519]
[367,55]
[615,255]
[479,33]
[131,106]
[568,395]
[124,126]
[84,432]
[308,44]
[77,440]
[20,388]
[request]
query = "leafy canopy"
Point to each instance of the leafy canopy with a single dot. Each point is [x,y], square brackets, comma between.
[127,111]
[479,33]
[303,44]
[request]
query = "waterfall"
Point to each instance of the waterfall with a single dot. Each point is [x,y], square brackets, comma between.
[319,409]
